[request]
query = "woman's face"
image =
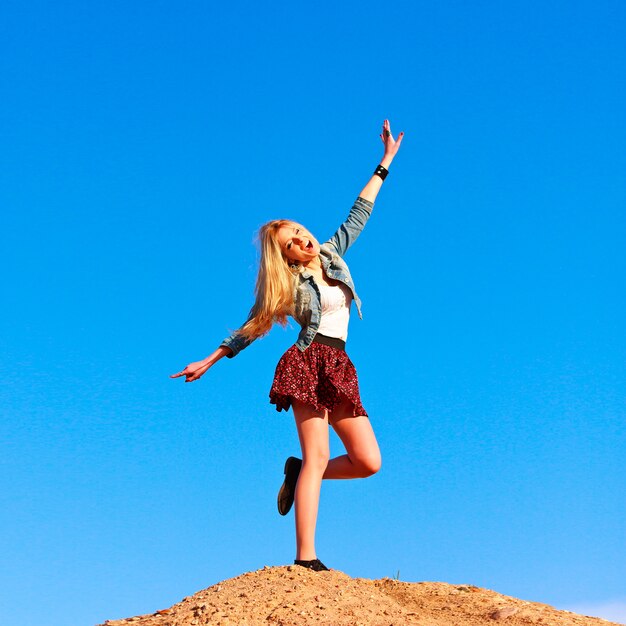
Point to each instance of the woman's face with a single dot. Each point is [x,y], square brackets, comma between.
[297,243]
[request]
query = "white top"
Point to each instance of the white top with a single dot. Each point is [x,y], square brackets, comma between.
[336,302]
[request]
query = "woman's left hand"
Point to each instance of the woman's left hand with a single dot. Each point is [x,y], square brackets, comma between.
[391,145]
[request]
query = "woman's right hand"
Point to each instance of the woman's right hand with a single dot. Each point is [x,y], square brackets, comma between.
[194,370]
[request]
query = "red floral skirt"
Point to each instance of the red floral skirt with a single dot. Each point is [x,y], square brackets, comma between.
[321,376]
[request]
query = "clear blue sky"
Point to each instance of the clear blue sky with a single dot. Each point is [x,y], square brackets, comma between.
[143,143]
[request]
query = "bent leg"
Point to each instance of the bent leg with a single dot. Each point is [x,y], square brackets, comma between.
[313,434]
[357,435]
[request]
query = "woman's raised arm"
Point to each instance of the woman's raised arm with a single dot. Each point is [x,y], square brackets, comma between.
[351,228]
[370,191]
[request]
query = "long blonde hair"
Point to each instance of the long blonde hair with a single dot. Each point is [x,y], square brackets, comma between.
[275,284]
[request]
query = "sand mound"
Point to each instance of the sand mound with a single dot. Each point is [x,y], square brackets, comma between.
[294,596]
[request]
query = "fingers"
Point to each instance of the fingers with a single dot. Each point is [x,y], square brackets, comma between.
[386,137]
[192,374]
[182,373]
[386,134]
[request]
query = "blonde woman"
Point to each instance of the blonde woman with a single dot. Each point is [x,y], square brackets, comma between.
[310,282]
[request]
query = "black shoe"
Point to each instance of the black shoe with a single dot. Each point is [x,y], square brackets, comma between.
[288,488]
[316,565]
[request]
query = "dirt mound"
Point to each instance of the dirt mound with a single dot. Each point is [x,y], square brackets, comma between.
[295,596]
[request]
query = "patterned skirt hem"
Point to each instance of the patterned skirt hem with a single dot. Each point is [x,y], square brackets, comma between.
[283,402]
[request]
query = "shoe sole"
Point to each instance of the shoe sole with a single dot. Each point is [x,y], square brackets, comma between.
[282,493]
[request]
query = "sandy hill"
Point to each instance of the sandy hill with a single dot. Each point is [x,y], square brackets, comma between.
[294,596]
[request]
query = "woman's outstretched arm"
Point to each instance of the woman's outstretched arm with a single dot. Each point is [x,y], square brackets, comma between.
[370,191]
[230,347]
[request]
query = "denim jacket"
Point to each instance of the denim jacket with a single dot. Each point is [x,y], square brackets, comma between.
[307,301]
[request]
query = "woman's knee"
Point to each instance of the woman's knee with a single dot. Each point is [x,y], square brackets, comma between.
[316,459]
[368,464]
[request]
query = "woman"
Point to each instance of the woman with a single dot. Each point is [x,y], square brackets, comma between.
[298,277]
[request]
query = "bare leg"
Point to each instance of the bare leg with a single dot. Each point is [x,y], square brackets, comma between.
[362,459]
[313,434]
[356,433]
